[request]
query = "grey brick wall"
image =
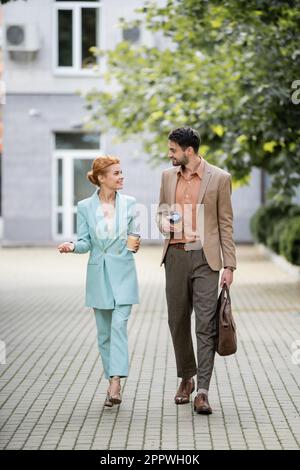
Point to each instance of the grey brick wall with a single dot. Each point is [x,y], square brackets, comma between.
[27,162]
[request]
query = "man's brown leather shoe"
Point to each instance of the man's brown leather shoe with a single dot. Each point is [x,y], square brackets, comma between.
[186,387]
[201,404]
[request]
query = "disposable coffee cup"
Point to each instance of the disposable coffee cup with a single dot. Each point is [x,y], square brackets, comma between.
[131,240]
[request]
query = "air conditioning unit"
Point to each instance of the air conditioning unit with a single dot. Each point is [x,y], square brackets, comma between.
[21,37]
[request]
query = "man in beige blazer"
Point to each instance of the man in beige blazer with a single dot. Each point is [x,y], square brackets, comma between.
[195,249]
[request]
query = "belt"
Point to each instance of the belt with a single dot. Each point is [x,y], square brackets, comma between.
[191,246]
[179,246]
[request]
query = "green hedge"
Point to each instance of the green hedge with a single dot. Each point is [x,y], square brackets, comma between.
[264,220]
[278,227]
[289,241]
[273,240]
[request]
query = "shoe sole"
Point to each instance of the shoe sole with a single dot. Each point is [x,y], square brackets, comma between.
[203,412]
[182,402]
[108,404]
[116,401]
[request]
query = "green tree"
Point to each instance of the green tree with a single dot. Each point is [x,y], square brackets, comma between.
[227,69]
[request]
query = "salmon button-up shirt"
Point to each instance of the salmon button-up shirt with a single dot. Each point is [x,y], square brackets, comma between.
[186,199]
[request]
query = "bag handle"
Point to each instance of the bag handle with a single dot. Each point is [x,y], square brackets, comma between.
[225,290]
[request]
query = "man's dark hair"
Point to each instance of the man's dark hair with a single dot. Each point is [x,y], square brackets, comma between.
[185,137]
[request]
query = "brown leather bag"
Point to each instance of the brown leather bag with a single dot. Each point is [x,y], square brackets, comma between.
[226,342]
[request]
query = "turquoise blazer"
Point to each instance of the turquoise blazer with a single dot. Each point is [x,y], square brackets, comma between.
[111,273]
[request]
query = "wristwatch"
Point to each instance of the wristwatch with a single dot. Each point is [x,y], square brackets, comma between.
[229,267]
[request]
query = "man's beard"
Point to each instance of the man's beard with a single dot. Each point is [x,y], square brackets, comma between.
[182,163]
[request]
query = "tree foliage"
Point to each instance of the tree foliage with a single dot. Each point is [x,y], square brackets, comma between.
[227,69]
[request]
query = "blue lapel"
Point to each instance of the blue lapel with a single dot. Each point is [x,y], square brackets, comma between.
[120,221]
[121,216]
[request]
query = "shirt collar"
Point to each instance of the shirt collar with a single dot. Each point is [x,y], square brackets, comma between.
[199,170]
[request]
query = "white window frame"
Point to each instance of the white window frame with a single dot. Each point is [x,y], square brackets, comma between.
[76,7]
[67,208]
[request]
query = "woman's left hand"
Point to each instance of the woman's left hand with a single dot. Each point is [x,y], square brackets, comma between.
[137,245]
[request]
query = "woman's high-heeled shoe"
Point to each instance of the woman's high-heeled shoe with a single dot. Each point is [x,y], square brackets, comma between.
[115,390]
[108,402]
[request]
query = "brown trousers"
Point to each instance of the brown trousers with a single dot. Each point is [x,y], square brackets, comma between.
[192,284]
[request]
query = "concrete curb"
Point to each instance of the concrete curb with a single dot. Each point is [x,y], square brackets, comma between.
[280,261]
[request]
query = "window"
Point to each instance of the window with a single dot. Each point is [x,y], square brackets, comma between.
[76,141]
[77,30]
[65,38]
[73,157]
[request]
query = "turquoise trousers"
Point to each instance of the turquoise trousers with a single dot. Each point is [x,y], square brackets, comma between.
[113,340]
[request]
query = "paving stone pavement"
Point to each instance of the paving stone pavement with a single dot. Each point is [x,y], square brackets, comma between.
[52,385]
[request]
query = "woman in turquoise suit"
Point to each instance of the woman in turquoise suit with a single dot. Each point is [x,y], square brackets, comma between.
[104,222]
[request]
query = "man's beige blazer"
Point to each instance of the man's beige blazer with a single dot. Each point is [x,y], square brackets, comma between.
[216,234]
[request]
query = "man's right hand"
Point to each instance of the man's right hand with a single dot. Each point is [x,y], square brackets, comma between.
[167,227]
[66,247]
